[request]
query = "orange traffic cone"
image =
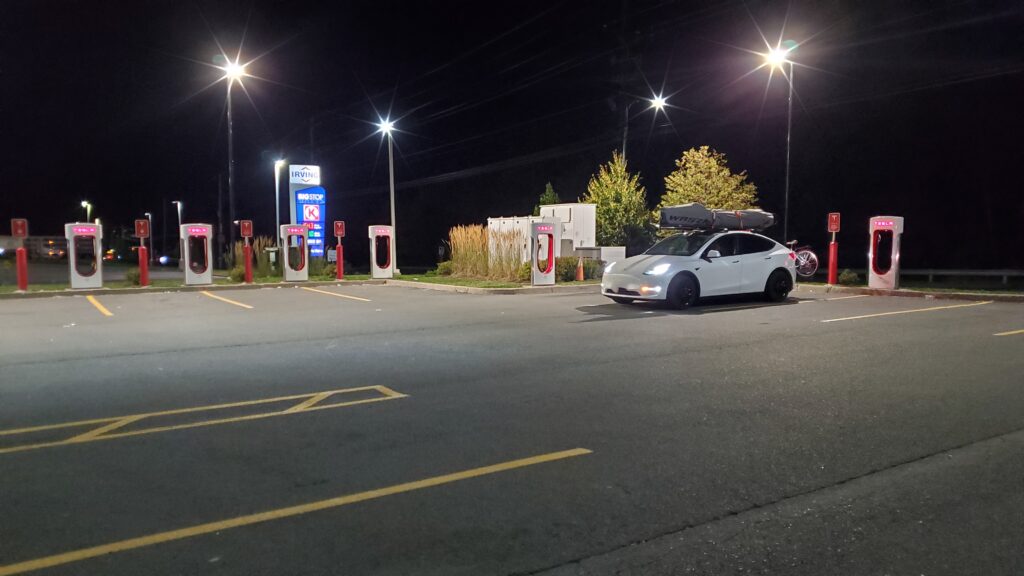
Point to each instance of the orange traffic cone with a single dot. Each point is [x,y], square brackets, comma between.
[579,270]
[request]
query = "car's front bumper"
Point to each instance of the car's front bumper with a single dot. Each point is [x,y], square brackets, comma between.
[631,286]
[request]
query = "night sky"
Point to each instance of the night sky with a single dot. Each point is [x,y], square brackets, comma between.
[903,108]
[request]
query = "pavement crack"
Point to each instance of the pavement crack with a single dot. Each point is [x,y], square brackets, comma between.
[755,507]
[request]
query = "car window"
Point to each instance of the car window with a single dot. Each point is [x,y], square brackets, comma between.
[726,245]
[752,244]
[685,244]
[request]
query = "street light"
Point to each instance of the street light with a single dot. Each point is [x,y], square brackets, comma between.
[386,127]
[777,58]
[88,209]
[181,240]
[658,103]
[277,199]
[150,218]
[233,72]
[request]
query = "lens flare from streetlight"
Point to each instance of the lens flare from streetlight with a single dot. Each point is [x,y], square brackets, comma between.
[386,126]
[776,57]
[659,102]
[233,70]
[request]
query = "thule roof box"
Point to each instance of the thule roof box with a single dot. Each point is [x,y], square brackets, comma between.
[697,217]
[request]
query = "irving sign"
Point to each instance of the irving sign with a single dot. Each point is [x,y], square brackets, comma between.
[304,175]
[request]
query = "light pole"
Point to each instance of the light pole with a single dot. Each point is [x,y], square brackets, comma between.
[88,209]
[277,198]
[386,127]
[233,72]
[778,58]
[150,218]
[657,103]
[181,241]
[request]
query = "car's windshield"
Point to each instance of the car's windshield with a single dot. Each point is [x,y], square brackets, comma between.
[685,244]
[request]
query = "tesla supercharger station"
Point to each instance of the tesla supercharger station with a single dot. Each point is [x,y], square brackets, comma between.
[295,239]
[198,255]
[85,254]
[884,251]
[380,252]
[545,237]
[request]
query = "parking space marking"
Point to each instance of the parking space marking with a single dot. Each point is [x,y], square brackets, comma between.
[309,402]
[1010,333]
[222,299]
[280,513]
[931,309]
[847,297]
[103,309]
[336,294]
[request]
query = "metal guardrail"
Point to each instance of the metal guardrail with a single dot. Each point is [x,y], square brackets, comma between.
[931,273]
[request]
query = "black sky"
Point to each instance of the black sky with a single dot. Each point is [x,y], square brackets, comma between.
[906,108]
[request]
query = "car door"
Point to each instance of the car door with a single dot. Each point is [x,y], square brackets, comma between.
[723,274]
[756,260]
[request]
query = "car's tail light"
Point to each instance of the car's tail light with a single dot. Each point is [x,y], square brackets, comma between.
[792,256]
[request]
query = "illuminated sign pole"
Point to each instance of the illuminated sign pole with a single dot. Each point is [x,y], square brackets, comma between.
[308,204]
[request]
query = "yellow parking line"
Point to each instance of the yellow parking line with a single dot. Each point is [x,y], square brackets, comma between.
[336,294]
[1010,333]
[279,513]
[222,299]
[103,309]
[310,403]
[933,308]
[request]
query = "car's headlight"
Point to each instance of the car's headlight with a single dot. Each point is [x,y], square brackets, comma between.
[658,270]
[608,268]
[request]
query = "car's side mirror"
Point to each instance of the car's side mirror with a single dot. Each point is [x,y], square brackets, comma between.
[713,254]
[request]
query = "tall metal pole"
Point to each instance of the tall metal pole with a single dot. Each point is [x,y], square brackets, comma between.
[789,130]
[391,172]
[231,167]
[625,130]
[149,216]
[277,200]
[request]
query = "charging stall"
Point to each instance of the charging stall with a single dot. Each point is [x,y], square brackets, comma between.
[197,253]
[85,254]
[545,237]
[884,251]
[380,252]
[295,264]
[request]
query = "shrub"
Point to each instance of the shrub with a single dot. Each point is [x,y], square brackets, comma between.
[444,268]
[317,267]
[134,276]
[329,271]
[237,274]
[848,277]
[523,273]
[565,268]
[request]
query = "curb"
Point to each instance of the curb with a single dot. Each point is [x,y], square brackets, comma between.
[572,289]
[159,289]
[969,296]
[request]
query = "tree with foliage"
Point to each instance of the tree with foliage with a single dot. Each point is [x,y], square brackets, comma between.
[702,175]
[623,218]
[547,197]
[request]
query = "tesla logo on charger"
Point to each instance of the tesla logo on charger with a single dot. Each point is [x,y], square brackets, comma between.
[198,230]
[884,223]
[304,175]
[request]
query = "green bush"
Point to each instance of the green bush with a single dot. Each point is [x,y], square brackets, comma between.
[133,276]
[565,268]
[523,273]
[237,274]
[445,268]
[317,267]
[848,277]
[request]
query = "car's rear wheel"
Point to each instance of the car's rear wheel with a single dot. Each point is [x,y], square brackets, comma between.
[682,292]
[779,285]
[618,300]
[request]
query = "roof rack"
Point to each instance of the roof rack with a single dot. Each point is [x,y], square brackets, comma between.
[696,217]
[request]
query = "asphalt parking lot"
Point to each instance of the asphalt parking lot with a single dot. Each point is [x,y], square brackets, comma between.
[390,430]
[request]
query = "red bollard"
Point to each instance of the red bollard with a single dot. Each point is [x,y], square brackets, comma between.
[247,256]
[143,266]
[340,264]
[833,262]
[21,256]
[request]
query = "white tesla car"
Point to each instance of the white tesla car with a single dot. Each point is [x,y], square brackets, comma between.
[694,264]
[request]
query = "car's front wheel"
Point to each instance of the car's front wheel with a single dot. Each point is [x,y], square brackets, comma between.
[779,285]
[682,292]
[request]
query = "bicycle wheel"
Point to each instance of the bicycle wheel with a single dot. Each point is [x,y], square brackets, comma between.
[806,263]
